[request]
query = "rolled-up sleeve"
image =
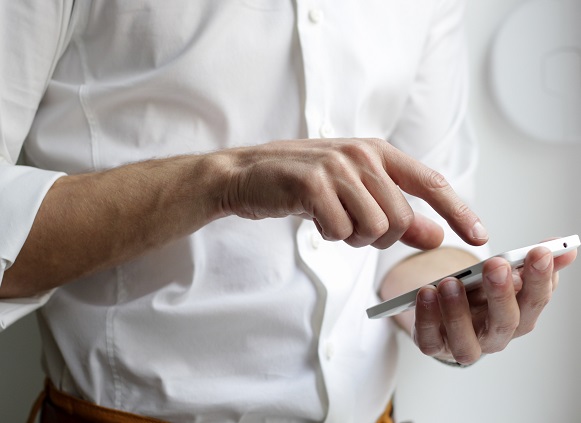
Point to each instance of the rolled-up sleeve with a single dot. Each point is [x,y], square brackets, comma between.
[33,35]
[434,127]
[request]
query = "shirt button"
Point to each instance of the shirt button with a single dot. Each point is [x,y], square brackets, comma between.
[326,130]
[315,15]
[315,240]
[329,350]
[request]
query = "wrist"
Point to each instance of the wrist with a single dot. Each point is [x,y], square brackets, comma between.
[209,177]
[221,169]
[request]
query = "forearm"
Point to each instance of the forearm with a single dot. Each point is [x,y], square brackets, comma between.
[419,270]
[94,221]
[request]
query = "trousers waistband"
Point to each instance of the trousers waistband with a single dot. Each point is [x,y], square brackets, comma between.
[58,407]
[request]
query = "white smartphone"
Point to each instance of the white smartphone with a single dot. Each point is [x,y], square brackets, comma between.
[471,277]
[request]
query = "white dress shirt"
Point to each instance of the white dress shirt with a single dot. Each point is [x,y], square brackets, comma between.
[242,321]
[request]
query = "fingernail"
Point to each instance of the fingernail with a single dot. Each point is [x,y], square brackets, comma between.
[449,288]
[498,275]
[543,263]
[428,295]
[428,298]
[479,231]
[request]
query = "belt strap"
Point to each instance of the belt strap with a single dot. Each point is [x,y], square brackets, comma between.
[59,407]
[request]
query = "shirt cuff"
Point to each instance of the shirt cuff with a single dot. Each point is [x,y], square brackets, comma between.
[13,309]
[22,190]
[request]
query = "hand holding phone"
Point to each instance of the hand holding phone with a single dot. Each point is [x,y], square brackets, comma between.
[471,277]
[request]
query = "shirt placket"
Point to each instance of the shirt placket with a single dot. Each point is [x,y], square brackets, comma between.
[312,22]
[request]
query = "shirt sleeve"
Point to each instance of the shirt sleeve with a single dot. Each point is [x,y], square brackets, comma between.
[434,126]
[33,35]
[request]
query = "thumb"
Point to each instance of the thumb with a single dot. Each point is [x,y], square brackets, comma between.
[423,233]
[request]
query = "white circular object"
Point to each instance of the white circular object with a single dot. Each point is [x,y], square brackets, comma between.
[536,70]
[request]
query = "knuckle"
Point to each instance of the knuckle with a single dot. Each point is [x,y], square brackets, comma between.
[364,235]
[423,325]
[466,357]
[435,180]
[427,341]
[337,162]
[355,240]
[537,305]
[360,152]
[460,211]
[384,242]
[492,349]
[430,349]
[377,141]
[337,233]
[505,330]
[403,220]
[312,182]
[380,227]
[454,320]
[527,327]
[372,142]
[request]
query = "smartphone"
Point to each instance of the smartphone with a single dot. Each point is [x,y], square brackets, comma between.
[471,277]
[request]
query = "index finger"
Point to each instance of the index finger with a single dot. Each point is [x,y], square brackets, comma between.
[421,181]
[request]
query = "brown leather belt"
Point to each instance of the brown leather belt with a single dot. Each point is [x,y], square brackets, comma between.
[57,407]
[387,416]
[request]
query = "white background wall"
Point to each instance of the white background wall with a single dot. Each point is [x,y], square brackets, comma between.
[528,191]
